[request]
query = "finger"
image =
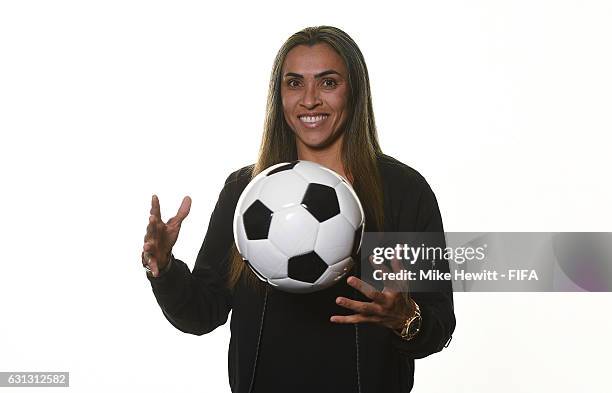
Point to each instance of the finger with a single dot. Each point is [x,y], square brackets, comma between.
[147,260]
[396,265]
[391,285]
[387,283]
[150,247]
[183,211]
[355,318]
[152,263]
[155,209]
[400,285]
[366,308]
[376,266]
[149,231]
[153,221]
[380,267]
[150,252]
[368,290]
[157,227]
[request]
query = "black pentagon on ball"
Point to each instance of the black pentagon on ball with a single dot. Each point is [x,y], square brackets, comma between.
[306,267]
[357,240]
[321,201]
[281,168]
[257,220]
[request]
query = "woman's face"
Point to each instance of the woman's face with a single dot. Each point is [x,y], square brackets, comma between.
[314,93]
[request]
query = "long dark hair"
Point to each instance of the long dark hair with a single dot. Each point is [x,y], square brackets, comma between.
[360,145]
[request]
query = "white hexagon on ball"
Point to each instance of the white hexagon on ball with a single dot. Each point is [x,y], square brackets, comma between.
[335,273]
[281,190]
[335,239]
[352,211]
[315,173]
[250,193]
[240,236]
[291,285]
[293,230]
[275,265]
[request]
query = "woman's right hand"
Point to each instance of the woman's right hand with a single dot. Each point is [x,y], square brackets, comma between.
[160,236]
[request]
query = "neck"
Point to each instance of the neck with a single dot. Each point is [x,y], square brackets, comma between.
[329,157]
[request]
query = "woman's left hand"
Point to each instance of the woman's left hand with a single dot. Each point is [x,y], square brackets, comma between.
[390,307]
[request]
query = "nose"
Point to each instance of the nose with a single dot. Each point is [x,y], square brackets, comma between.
[311,98]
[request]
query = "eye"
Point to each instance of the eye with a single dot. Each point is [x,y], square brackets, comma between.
[329,83]
[293,83]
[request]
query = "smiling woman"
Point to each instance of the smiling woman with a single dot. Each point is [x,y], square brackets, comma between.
[315,94]
[350,337]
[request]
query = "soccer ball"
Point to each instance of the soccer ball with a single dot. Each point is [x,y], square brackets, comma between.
[298,225]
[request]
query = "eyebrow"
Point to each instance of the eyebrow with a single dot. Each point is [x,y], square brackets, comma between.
[319,75]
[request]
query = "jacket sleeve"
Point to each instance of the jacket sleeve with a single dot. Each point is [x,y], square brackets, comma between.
[437,311]
[199,301]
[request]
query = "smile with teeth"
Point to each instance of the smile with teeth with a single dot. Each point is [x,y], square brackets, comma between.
[312,121]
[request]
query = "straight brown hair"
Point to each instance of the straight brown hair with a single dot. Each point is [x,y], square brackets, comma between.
[360,146]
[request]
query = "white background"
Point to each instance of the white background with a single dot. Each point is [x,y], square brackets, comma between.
[503,106]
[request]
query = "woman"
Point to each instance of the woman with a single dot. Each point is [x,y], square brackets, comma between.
[346,338]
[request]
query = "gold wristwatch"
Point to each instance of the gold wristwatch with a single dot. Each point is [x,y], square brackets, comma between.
[412,325]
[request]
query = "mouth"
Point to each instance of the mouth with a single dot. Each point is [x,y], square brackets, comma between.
[313,120]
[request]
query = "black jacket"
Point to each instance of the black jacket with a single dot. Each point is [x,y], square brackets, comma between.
[283,342]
